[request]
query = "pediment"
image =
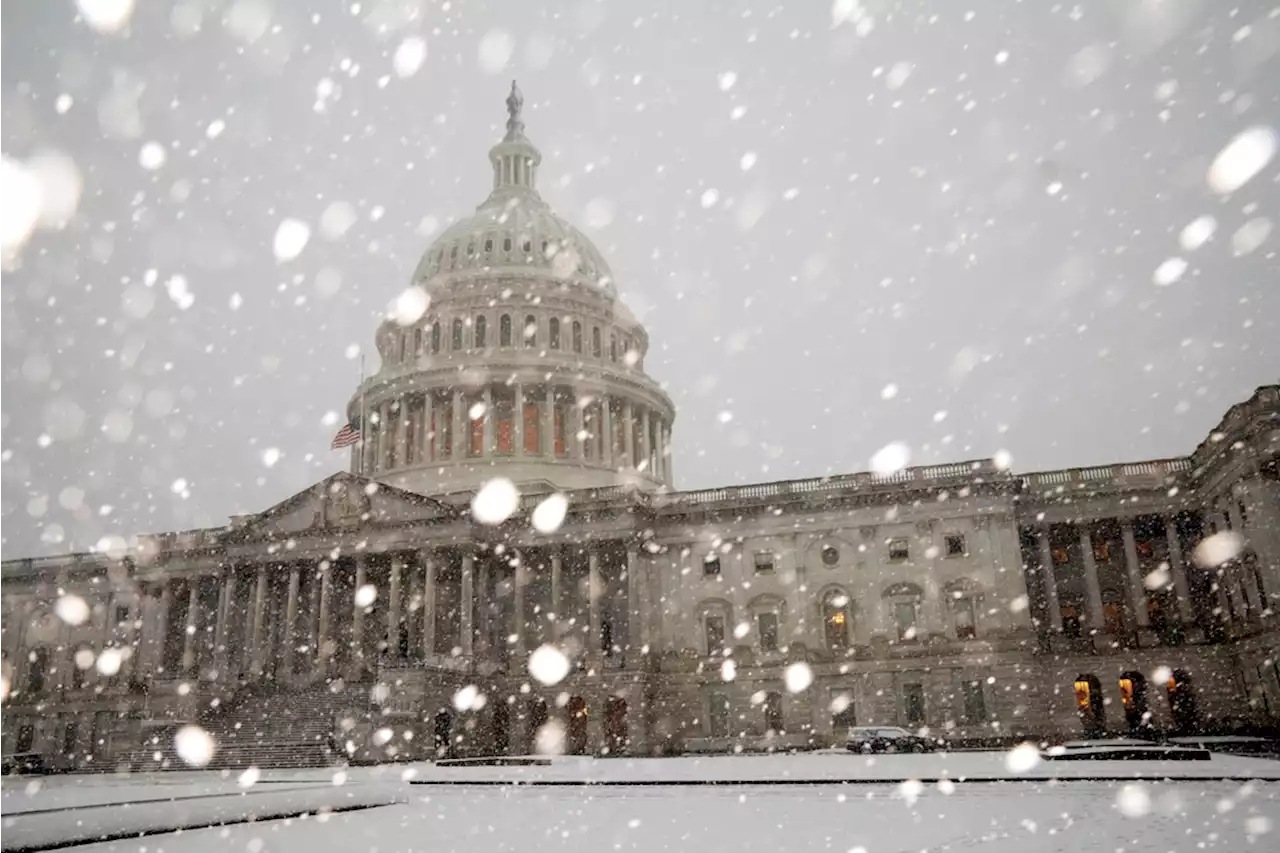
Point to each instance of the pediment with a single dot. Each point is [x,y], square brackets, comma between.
[342,502]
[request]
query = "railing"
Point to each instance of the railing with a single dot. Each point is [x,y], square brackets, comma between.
[1134,474]
[842,482]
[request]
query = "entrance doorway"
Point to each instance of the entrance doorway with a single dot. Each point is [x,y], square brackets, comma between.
[442,733]
[1182,701]
[538,715]
[1133,694]
[615,724]
[1090,706]
[576,737]
[500,729]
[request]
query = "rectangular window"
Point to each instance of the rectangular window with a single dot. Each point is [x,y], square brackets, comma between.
[505,437]
[560,428]
[446,431]
[715,634]
[773,712]
[475,446]
[711,565]
[1101,551]
[955,544]
[532,421]
[718,715]
[904,617]
[898,550]
[122,614]
[767,625]
[1113,617]
[1070,620]
[913,704]
[962,617]
[843,716]
[975,703]
[764,562]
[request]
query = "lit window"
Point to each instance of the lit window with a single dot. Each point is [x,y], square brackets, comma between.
[835,619]
[898,550]
[1061,556]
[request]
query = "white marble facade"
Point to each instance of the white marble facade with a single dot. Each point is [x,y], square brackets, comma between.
[963,598]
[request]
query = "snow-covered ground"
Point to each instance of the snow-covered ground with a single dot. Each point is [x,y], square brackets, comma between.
[1181,812]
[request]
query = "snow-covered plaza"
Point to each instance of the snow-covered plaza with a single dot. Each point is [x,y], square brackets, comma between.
[806,802]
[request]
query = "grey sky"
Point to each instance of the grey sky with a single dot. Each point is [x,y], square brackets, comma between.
[902,223]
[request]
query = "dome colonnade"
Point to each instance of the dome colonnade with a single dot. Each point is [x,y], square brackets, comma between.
[524,364]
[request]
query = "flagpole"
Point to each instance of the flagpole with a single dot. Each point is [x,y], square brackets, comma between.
[364,426]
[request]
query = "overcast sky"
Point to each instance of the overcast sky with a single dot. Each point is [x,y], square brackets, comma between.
[803,204]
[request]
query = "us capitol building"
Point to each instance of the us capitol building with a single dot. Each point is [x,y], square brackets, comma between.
[373,616]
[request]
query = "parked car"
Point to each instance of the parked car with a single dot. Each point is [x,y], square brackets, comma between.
[871,739]
[24,764]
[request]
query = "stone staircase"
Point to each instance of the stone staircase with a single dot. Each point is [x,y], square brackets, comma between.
[266,727]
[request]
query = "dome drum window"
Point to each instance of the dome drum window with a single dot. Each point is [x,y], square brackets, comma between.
[830,555]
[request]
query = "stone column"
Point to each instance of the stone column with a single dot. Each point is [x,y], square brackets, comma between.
[425,434]
[517,420]
[628,435]
[428,602]
[521,581]
[258,643]
[387,427]
[357,614]
[1137,589]
[557,593]
[646,451]
[549,422]
[402,432]
[467,606]
[489,446]
[1181,588]
[595,589]
[483,599]
[290,636]
[324,649]
[669,463]
[192,625]
[606,426]
[576,448]
[637,625]
[460,437]
[1248,584]
[1092,587]
[226,601]
[393,606]
[1050,579]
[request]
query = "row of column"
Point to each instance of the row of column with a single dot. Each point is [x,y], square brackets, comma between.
[422,428]
[1135,582]
[327,630]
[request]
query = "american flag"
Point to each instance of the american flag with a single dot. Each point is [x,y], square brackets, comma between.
[347,436]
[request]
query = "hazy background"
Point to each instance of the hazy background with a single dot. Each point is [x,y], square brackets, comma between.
[968,205]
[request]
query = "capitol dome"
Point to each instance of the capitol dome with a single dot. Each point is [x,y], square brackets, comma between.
[525,365]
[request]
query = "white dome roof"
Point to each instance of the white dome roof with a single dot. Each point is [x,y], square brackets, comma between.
[518,230]
[515,227]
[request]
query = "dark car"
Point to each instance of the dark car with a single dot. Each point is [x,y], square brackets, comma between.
[24,764]
[870,739]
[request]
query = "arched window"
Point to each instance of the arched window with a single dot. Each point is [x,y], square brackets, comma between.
[613,347]
[504,330]
[404,340]
[959,595]
[488,244]
[553,333]
[904,601]
[506,243]
[577,336]
[836,620]
[417,341]
[595,342]
[1089,704]
[481,333]
[435,338]
[527,246]
[530,331]
[457,335]
[1133,695]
